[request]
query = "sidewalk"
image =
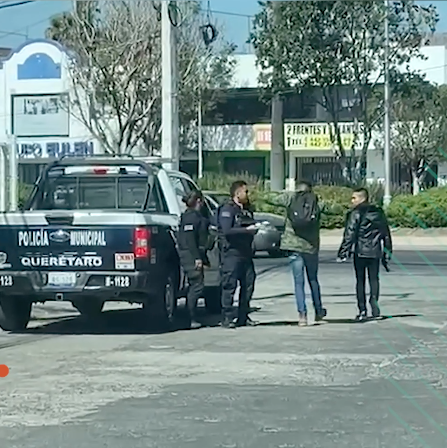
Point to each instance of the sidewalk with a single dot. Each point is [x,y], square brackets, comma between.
[403,239]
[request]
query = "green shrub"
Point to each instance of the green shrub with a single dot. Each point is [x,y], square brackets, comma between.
[221,182]
[427,209]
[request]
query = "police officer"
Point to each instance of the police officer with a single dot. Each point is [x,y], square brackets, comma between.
[192,243]
[236,228]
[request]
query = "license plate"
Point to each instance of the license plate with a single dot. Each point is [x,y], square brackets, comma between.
[6,280]
[62,278]
[118,281]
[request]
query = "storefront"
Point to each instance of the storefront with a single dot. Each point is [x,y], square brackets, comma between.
[309,150]
[35,108]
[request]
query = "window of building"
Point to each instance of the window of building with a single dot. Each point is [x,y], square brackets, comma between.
[254,166]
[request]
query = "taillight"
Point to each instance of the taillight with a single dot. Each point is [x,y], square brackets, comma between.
[100,170]
[141,242]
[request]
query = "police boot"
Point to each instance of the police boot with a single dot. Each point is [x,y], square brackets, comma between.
[194,323]
[228,323]
[247,322]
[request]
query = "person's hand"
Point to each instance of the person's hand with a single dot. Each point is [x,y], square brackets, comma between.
[199,264]
[252,229]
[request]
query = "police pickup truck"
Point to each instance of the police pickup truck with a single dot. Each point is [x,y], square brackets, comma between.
[97,230]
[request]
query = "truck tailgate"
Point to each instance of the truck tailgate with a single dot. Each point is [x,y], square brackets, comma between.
[81,241]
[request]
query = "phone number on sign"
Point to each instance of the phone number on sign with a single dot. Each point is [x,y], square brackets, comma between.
[323,142]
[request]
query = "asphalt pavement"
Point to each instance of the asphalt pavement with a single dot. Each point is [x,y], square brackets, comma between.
[339,384]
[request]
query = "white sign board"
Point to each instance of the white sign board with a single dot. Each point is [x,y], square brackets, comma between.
[44,115]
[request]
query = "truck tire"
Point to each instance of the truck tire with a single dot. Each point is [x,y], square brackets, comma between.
[162,308]
[89,308]
[15,313]
[213,303]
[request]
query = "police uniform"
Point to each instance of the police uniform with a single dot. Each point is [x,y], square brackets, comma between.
[192,242]
[236,258]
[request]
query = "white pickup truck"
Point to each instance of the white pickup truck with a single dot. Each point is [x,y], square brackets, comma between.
[97,230]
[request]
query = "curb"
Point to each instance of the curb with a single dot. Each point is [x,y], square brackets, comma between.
[404,247]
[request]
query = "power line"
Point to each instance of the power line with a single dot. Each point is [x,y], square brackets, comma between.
[16,32]
[226,13]
[11,5]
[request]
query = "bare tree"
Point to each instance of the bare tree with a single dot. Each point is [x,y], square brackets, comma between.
[116,69]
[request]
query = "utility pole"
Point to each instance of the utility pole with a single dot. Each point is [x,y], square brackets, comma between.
[13,174]
[169,106]
[200,137]
[277,156]
[3,177]
[387,126]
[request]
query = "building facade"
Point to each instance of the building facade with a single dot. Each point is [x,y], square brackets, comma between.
[35,108]
[35,114]
[237,137]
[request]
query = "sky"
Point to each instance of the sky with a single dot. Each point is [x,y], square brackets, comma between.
[30,21]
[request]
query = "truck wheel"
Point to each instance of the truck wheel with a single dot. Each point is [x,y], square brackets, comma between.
[213,302]
[89,308]
[14,314]
[162,308]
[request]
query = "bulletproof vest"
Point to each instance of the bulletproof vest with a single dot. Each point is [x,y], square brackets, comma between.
[244,218]
[241,243]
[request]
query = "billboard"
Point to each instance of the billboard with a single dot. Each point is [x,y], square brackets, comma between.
[307,136]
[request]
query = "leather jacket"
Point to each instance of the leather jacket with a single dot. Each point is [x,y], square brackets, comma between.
[366,234]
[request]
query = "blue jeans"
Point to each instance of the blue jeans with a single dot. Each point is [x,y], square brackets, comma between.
[301,262]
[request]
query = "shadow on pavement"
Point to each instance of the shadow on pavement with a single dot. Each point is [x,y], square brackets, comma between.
[276,296]
[291,294]
[294,323]
[381,318]
[124,322]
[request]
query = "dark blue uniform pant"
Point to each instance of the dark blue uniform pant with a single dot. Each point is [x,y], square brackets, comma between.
[236,270]
[195,281]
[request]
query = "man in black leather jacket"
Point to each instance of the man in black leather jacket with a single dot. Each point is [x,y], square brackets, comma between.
[367,236]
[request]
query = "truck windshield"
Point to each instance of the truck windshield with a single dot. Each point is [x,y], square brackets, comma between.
[87,191]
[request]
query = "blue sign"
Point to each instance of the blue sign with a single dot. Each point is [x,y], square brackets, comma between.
[55,149]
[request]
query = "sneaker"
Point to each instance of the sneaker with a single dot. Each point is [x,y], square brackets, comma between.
[375,310]
[321,315]
[361,317]
[228,323]
[302,320]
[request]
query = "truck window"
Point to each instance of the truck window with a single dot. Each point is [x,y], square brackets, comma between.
[188,186]
[84,192]
[180,191]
